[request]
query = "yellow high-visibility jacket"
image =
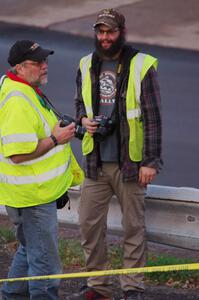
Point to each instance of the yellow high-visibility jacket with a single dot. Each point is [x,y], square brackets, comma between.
[23,122]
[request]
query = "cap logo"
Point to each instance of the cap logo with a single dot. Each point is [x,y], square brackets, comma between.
[107,13]
[34,46]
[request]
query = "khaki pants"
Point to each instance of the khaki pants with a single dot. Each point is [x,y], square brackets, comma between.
[94,205]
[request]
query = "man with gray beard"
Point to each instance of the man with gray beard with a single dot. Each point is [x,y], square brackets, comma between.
[35,171]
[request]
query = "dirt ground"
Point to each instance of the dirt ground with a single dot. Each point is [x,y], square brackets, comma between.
[68,286]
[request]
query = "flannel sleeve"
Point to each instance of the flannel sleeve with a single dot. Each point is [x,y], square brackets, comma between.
[152,121]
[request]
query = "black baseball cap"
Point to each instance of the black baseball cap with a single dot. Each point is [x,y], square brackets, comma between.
[111,18]
[25,49]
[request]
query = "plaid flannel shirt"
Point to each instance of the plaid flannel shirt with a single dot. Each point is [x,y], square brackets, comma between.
[150,113]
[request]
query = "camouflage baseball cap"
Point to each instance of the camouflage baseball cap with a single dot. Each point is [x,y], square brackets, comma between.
[111,18]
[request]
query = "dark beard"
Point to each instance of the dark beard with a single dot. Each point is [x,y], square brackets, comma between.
[113,50]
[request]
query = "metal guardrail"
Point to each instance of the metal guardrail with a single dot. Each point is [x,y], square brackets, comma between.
[172,215]
[173,193]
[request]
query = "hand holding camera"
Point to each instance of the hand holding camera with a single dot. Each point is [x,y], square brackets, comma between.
[100,127]
[90,125]
[79,130]
[64,134]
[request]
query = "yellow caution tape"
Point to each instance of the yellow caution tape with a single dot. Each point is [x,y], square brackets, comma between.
[169,268]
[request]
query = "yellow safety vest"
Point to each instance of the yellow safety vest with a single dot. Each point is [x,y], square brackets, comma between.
[23,122]
[139,66]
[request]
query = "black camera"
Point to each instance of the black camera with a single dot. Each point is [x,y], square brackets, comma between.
[79,130]
[105,127]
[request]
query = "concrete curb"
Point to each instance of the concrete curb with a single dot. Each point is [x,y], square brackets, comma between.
[48,13]
[164,23]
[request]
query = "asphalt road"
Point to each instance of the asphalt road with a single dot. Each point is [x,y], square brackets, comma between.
[178,77]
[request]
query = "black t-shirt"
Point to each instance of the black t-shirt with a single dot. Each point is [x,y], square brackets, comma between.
[108,147]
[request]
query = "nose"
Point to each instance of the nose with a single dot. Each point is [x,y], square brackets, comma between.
[104,33]
[44,64]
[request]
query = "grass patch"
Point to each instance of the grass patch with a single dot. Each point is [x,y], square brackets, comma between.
[7,235]
[173,276]
[115,255]
[71,255]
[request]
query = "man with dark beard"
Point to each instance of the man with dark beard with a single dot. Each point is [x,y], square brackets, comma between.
[118,102]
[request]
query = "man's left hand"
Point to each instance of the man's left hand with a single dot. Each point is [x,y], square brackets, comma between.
[146,175]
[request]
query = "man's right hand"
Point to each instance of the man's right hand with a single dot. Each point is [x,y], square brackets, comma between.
[90,125]
[64,134]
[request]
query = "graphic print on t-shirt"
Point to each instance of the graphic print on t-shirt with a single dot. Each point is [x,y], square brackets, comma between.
[108,147]
[107,87]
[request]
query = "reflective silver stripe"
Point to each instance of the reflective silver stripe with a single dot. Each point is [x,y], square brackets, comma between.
[5,160]
[20,94]
[85,63]
[134,113]
[85,66]
[89,110]
[19,138]
[2,79]
[33,161]
[139,60]
[50,153]
[18,180]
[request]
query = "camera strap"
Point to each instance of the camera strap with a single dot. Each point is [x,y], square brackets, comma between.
[52,107]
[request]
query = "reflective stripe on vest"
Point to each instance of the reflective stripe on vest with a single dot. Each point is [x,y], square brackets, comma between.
[39,178]
[18,138]
[137,74]
[134,113]
[28,137]
[138,67]
[2,80]
[85,65]
[50,153]
[19,180]
[22,95]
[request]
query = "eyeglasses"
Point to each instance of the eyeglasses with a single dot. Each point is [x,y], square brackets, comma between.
[99,31]
[36,63]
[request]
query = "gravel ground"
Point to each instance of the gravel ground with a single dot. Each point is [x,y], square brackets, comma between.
[68,286]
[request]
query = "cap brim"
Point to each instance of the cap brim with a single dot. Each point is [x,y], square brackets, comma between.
[40,54]
[106,21]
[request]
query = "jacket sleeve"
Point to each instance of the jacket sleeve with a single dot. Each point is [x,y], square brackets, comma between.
[18,134]
[152,121]
[79,104]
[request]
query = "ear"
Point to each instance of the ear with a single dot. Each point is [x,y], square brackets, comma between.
[124,31]
[19,69]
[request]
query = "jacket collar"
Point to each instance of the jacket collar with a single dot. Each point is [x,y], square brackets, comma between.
[14,77]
